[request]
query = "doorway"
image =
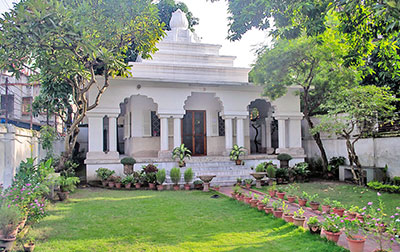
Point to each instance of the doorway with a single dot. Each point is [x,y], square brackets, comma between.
[194,132]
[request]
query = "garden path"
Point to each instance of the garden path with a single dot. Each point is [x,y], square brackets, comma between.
[370,244]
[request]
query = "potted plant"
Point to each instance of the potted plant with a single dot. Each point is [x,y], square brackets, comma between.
[292,189]
[238,181]
[299,218]
[150,172]
[9,219]
[254,201]
[303,199]
[271,172]
[352,212]
[161,176]
[338,208]
[128,181]
[314,225]
[111,181]
[351,228]
[326,205]
[260,205]
[301,170]
[29,244]
[188,177]
[216,188]
[280,192]
[277,208]
[248,183]
[332,227]
[181,152]
[67,185]
[281,174]
[284,160]
[118,182]
[128,163]
[175,175]
[313,203]
[266,201]
[235,192]
[104,174]
[235,154]
[198,184]
[248,197]
[287,216]
[272,190]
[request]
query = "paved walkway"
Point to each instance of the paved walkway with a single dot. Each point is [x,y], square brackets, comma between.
[370,244]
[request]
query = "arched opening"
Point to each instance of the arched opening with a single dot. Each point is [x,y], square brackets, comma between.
[263,128]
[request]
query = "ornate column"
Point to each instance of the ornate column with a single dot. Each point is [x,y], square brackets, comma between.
[112,132]
[268,138]
[163,135]
[281,133]
[177,130]
[295,139]
[95,133]
[228,133]
[240,131]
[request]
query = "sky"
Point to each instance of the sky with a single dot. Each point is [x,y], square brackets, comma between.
[213,28]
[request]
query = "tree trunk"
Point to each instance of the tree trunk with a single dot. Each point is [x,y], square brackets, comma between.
[355,164]
[318,141]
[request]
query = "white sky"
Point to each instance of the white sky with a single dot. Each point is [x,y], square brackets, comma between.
[213,28]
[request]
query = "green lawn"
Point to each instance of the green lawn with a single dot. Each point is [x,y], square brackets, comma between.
[109,220]
[348,194]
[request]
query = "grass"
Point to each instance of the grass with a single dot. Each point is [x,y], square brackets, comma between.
[347,194]
[110,220]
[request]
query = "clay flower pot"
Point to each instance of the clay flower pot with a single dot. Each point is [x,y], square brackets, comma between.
[338,211]
[291,199]
[272,193]
[277,213]
[315,229]
[104,183]
[128,186]
[111,184]
[281,195]
[332,236]
[238,162]
[326,208]
[176,187]
[356,243]
[260,206]
[288,217]
[302,202]
[314,205]
[160,187]
[268,209]
[152,186]
[138,185]
[351,215]
[253,203]
[248,186]
[7,243]
[118,185]
[29,247]
[247,200]
[299,221]
[241,198]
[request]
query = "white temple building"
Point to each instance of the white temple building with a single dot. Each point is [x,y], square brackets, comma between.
[189,93]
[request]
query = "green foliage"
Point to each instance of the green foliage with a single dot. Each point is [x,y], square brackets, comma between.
[167,7]
[299,213]
[175,175]
[261,167]
[277,204]
[248,181]
[236,152]
[305,196]
[337,204]
[384,187]
[282,172]
[161,176]
[128,161]
[266,200]
[104,173]
[181,152]
[9,219]
[337,161]
[67,184]
[284,157]
[332,223]
[188,175]
[130,179]
[271,171]
[396,180]
[326,202]
[313,221]
[313,197]
[302,169]
[47,137]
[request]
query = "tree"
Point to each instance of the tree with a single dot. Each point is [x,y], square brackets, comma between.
[312,63]
[355,112]
[77,41]
[167,7]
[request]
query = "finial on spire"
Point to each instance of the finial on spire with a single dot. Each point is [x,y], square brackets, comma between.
[179,20]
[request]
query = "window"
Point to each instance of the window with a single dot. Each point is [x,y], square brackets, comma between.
[221,126]
[26,105]
[155,124]
[7,102]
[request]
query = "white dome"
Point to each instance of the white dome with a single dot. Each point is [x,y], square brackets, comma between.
[179,20]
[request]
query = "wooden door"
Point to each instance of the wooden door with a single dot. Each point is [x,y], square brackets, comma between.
[194,132]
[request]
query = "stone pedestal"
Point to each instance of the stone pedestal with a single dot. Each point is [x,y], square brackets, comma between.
[258,183]
[206,187]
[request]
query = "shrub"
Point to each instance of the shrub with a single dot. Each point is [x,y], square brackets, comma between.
[248,181]
[104,173]
[236,152]
[271,171]
[128,179]
[282,172]
[161,175]
[175,175]
[67,184]
[313,221]
[336,204]
[197,182]
[284,157]
[10,217]
[302,169]
[261,167]
[128,161]
[383,187]
[150,168]
[188,175]
[396,180]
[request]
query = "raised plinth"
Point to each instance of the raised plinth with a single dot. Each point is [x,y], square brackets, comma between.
[206,180]
[258,176]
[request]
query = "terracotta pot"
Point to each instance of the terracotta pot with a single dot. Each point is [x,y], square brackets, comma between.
[332,236]
[198,186]
[241,198]
[272,193]
[152,186]
[63,195]
[288,217]
[260,206]
[138,185]
[253,203]
[104,183]
[21,225]
[278,213]
[238,162]
[128,186]
[118,185]
[182,163]
[248,186]
[268,209]
[315,229]
[351,215]
[299,221]
[160,187]
[7,243]
[29,247]
[176,187]
[247,200]
[326,209]
[111,184]
[356,243]
[302,202]
[360,217]
[281,195]
[187,187]
[233,195]
[338,211]
[314,205]
[291,199]
[217,188]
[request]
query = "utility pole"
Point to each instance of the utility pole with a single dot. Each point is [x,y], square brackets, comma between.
[6,101]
